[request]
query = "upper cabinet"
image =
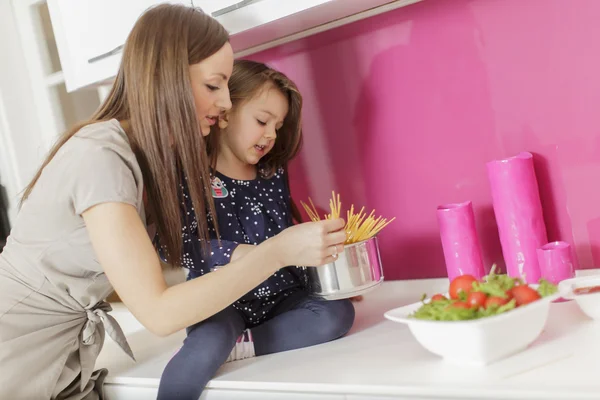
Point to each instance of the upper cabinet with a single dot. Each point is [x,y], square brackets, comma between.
[90,33]
[256,25]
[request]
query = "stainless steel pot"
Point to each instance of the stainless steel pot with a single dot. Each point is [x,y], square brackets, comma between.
[356,271]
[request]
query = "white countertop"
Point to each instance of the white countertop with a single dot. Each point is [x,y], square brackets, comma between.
[380,357]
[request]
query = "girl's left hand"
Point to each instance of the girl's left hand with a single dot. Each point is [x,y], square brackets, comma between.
[356,299]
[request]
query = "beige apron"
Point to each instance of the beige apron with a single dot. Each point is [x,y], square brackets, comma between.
[53,315]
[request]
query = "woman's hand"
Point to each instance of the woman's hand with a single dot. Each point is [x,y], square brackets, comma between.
[310,244]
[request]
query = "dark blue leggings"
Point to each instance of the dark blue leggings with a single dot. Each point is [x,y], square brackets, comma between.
[298,322]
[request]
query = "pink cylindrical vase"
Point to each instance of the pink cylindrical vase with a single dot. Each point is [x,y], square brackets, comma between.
[556,262]
[460,243]
[519,216]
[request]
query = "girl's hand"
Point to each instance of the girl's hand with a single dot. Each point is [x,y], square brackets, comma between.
[311,244]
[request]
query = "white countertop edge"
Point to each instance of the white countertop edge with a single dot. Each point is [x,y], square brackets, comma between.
[472,392]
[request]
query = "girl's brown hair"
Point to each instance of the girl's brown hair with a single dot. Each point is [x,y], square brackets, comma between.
[247,81]
[152,94]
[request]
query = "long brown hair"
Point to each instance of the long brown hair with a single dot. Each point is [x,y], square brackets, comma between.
[247,80]
[152,93]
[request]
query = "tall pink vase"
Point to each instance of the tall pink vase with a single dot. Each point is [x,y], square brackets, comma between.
[458,233]
[518,212]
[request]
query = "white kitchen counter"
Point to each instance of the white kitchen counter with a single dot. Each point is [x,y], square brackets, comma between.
[378,359]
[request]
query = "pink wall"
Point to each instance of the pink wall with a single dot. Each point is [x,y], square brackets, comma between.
[403,110]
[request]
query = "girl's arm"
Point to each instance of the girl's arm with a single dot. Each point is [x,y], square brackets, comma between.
[222,252]
[130,262]
[293,212]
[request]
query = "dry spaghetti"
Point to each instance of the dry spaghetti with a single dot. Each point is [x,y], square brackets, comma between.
[359,226]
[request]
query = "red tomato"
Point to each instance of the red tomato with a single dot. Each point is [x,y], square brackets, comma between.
[463,283]
[509,293]
[587,290]
[438,297]
[523,294]
[476,299]
[495,301]
[461,304]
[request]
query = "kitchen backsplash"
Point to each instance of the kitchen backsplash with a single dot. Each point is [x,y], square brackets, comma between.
[403,110]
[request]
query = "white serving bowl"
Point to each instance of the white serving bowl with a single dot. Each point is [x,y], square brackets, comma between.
[482,341]
[589,303]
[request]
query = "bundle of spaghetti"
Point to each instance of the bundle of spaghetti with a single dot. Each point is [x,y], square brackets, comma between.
[359,226]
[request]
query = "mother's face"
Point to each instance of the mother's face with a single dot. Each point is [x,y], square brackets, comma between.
[209,84]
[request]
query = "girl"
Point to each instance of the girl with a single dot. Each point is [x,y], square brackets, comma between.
[250,154]
[82,227]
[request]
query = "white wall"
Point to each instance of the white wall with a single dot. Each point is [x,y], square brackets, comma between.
[21,144]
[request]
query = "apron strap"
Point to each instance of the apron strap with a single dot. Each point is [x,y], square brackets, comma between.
[95,317]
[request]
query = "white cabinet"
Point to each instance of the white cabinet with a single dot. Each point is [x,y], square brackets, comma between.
[217,7]
[255,25]
[89,35]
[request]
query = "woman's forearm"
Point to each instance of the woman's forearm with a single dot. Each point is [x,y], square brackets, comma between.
[240,251]
[131,264]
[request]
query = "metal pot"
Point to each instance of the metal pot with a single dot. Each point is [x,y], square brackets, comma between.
[357,270]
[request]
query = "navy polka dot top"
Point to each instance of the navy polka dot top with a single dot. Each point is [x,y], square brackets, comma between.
[248,212]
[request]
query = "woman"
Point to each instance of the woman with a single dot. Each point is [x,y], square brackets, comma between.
[106,187]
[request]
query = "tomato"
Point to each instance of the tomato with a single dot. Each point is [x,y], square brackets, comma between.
[476,299]
[587,290]
[438,297]
[463,283]
[460,304]
[509,293]
[495,301]
[523,294]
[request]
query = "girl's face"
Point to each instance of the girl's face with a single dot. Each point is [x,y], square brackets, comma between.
[253,125]
[209,84]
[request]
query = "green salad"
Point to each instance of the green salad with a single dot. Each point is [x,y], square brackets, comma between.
[470,298]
